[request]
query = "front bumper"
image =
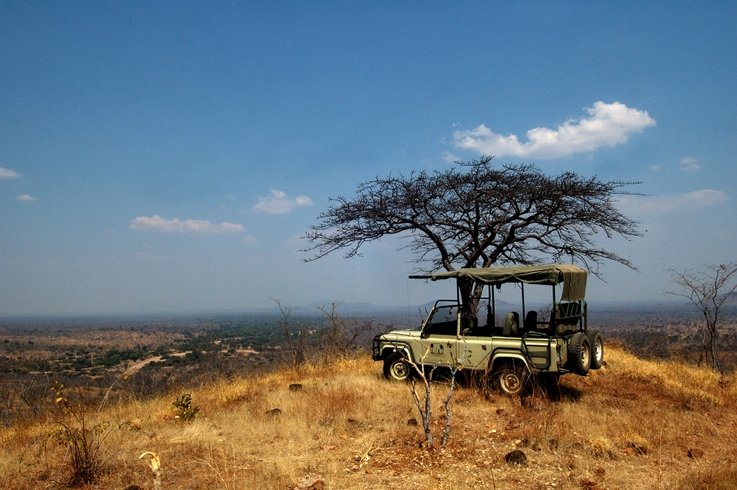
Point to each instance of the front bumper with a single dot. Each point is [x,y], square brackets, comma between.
[376,348]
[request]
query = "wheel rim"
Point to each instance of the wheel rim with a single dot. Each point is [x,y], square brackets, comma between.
[400,370]
[598,351]
[510,382]
[585,355]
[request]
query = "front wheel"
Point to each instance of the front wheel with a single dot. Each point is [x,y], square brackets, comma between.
[510,378]
[396,367]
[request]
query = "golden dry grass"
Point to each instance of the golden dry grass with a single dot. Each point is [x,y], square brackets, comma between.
[632,424]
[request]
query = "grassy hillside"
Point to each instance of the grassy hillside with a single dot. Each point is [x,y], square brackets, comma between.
[632,424]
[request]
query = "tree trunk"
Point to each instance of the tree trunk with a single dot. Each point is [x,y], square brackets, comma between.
[470,293]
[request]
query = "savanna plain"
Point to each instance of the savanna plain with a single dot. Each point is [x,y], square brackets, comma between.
[278,400]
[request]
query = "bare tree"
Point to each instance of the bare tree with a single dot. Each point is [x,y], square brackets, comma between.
[708,290]
[475,215]
[296,344]
[424,405]
[337,337]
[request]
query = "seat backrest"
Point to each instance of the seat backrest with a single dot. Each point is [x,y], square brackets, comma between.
[531,321]
[511,324]
[567,316]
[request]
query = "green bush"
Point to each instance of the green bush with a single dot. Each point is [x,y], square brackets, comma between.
[186,411]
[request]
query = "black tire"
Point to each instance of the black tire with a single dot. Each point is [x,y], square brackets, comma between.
[396,368]
[511,378]
[597,349]
[579,354]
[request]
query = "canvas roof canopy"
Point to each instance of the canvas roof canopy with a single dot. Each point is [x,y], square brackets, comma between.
[572,277]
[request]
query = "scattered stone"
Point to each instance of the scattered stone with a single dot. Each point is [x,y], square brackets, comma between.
[639,447]
[695,453]
[412,422]
[499,411]
[295,387]
[274,412]
[311,482]
[516,457]
[587,483]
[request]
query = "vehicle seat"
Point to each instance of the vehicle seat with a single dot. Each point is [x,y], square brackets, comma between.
[531,321]
[511,324]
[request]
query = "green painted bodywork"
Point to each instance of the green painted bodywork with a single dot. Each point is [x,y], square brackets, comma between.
[542,354]
[542,349]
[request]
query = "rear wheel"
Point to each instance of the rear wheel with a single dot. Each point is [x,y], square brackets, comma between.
[396,367]
[579,354]
[510,378]
[597,349]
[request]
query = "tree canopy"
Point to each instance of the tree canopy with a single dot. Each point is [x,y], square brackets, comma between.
[475,214]
[708,290]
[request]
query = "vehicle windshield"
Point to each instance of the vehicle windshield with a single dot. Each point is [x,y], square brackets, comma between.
[442,320]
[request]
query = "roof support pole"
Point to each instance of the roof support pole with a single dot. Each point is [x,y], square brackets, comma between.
[522,320]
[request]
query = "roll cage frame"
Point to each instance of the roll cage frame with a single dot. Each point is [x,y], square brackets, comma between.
[571,310]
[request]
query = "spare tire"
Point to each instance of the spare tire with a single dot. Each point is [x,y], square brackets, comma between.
[579,354]
[597,349]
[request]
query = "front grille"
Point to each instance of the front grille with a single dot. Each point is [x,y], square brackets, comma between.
[376,349]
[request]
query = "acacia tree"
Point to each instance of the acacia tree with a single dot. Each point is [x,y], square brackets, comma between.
[475,214]
[708,290]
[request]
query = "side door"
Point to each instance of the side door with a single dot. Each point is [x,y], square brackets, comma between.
[473,349]
[440,336]
[474,344]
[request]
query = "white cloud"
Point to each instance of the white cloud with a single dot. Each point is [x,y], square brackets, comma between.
[450,158]
[191,226]
[6,173]
[26,198]
[689,164]
[606,125]
[279,203]
[670,203]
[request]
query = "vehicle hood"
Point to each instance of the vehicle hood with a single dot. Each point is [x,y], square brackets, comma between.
[401,334]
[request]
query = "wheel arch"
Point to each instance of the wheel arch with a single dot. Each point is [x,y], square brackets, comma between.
[390,348]
[501,357]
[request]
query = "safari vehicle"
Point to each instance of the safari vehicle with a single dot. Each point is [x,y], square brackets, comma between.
[510,352]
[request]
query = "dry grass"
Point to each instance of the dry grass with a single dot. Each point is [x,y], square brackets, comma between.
[633,424]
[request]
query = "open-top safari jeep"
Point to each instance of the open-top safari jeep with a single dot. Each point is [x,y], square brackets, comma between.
[509,353]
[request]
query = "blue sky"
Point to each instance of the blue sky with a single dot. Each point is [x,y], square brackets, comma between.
[168,156]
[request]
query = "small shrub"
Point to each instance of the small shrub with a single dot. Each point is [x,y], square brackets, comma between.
[82,440]
[186,411]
